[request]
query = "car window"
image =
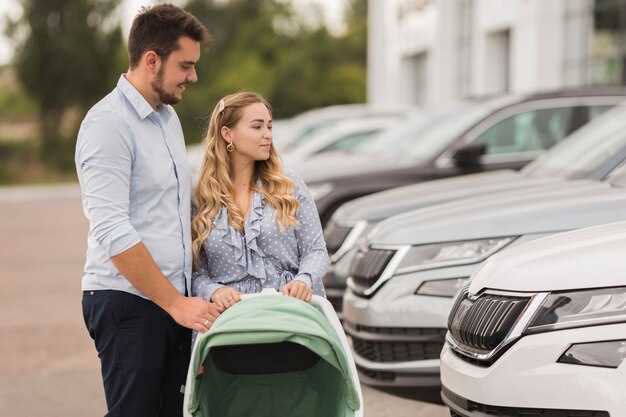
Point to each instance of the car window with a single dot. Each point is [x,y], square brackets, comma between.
[423,138]
[534,130]
[587,149]
[350,142]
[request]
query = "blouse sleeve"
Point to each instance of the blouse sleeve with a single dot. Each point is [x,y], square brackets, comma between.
[201,283]
[312,251]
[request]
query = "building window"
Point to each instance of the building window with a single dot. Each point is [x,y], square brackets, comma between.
[595,39]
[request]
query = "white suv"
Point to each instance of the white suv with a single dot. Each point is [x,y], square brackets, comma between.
[541,330]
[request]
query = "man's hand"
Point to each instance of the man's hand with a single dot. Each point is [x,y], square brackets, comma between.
[298,289]
[225,297]
[194,313]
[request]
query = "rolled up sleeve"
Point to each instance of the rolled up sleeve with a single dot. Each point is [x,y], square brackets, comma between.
[104,160]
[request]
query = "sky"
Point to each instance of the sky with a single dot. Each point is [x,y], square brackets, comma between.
[333,10]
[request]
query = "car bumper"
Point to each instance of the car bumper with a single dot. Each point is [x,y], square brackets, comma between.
[527,377]
[396,335]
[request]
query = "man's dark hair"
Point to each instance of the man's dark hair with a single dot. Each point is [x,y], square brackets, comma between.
[158,29]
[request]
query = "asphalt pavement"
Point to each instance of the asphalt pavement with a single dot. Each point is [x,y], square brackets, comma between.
[48,365]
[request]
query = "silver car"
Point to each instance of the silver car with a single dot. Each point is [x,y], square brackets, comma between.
[406,272]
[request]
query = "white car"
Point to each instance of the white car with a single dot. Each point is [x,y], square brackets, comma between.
[410,266]
[342,136]
[299,129]
[541,330]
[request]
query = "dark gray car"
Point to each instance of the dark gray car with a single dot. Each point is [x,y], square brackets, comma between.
[504,133]
[564,161]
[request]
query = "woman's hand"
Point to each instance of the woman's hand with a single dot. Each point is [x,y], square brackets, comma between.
[298,289]
[225,297]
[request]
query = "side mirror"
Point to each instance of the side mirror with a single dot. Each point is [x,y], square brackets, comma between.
[468,157]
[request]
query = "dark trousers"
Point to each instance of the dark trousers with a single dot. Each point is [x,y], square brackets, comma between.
[144,354]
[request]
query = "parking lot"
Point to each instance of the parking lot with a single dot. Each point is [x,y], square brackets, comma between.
[48,366]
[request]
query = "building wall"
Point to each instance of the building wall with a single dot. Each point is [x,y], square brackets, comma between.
[434,52]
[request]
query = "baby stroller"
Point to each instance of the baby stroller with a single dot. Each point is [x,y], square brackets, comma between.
[270,355]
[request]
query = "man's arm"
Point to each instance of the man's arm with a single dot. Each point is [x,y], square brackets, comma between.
[138,266]
[104,158]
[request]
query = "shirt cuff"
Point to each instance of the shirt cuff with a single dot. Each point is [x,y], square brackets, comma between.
[304,277]
[123,240]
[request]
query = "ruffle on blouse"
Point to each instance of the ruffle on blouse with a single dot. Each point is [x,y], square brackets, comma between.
[245,247]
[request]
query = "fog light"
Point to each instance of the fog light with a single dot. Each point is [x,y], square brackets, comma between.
[609,354]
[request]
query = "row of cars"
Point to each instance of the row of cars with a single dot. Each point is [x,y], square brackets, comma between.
[469,282]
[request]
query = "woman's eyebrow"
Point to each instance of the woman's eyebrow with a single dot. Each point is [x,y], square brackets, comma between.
[260,120]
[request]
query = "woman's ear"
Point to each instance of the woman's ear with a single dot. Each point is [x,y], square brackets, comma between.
[227,134]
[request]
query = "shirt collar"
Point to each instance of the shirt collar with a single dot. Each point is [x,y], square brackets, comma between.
[139,103]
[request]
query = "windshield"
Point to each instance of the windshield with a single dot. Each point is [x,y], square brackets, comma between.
[424,139]
[584,151]
[305,130]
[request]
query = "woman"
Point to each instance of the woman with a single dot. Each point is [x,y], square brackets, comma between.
[253,226]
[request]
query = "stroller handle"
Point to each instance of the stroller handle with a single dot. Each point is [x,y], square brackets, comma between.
[316,300]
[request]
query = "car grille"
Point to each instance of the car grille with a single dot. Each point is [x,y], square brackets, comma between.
[336,301]
[383,351]
[377,375]
[482,324]
[368,265]
[492,410]
[335,235]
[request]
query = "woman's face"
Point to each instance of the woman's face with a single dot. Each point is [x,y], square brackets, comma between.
[252,135]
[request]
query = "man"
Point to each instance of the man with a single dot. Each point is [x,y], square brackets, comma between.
[136,193]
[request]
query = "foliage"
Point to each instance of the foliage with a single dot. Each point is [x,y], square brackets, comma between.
[265,47]
[66,57]
[70,53]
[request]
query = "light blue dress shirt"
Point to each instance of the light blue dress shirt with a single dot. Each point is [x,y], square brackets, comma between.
[135,187]
[263,256]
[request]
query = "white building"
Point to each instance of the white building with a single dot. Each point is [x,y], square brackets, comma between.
[435,51]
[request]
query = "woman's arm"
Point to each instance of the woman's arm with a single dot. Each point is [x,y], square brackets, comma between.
[202,285]
[312,251]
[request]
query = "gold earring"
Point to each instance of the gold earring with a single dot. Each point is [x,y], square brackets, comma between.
[230,147]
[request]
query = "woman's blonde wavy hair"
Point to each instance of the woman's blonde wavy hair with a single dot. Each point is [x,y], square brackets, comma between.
[215,188]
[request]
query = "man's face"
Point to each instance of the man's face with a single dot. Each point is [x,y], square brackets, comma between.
[178,70]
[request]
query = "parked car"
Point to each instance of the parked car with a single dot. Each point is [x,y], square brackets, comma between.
[591,153]
[289,134]
[299,129]
[504,133]
[406,272]
[345,135]
[541,330]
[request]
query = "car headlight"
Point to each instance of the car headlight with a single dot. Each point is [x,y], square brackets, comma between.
[450,253]
[580,308]
[606,354]
[441,287]
[320,190]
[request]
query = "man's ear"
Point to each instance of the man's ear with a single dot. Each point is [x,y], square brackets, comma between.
[153,61]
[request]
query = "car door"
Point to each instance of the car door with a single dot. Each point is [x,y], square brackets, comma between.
[517,135]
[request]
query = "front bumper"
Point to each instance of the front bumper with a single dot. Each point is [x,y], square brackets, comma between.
[386,357]
[527,379]
[397,336]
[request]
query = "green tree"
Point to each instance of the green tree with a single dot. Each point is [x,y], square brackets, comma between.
[68,56]
[266,47]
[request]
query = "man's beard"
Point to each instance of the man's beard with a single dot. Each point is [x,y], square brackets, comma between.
[164,96]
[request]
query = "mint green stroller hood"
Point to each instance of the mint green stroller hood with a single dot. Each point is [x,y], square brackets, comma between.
[271,355]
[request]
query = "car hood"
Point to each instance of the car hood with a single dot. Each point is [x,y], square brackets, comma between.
[331,166]
[561,206]
[379,206]
[546,264]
